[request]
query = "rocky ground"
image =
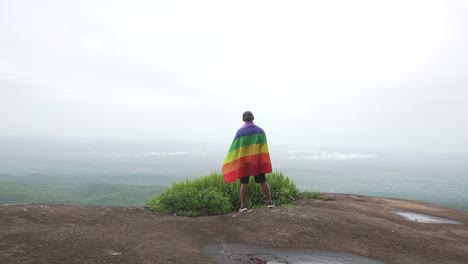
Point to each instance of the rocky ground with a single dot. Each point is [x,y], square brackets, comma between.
[346,226]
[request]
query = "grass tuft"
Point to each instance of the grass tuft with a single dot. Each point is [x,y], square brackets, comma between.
[210,195]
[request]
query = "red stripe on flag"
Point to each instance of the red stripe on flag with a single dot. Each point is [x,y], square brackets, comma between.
[247,171]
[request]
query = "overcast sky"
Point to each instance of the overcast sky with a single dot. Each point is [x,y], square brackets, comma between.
[342,74]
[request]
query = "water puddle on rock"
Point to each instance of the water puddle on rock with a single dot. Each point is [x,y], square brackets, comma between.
[426,219]
[240,253]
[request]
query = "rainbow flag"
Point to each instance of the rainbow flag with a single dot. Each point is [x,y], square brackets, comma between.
[248,154]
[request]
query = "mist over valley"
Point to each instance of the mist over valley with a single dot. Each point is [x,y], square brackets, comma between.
[55,164]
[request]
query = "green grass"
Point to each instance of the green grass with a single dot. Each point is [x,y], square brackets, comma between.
[310,195]
[210,195]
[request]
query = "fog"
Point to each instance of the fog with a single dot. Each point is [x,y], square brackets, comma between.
[353,76]
[57,162]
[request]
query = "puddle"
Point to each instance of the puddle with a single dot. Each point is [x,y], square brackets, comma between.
[426,219]
[240,253]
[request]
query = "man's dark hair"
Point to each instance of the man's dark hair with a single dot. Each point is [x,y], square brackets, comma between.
[247,116]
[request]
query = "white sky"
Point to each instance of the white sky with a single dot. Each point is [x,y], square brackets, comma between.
[344,74]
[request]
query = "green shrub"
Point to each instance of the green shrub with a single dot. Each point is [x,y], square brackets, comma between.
[283,190]
[193,202]
[210,195]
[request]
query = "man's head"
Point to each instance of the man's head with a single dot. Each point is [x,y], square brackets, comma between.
[247,116]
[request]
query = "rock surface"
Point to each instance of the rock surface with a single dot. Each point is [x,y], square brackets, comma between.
[346,224]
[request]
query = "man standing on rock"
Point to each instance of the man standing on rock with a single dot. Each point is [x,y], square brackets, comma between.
[248,156]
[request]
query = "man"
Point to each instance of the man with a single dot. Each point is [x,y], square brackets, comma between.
[248,156]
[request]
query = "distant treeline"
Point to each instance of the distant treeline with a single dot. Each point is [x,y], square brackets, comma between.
[51,189]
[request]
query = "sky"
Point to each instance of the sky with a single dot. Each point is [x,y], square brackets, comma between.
[339,74]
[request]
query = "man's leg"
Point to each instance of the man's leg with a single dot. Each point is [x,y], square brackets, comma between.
[266,191]
[265,187]
[243,194]
[243,191]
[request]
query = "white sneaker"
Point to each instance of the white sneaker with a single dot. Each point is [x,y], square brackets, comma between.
[243,209]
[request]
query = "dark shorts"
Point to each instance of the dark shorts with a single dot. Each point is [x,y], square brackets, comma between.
[258,179]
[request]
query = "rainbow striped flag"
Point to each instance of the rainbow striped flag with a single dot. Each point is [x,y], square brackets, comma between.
[248,154]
